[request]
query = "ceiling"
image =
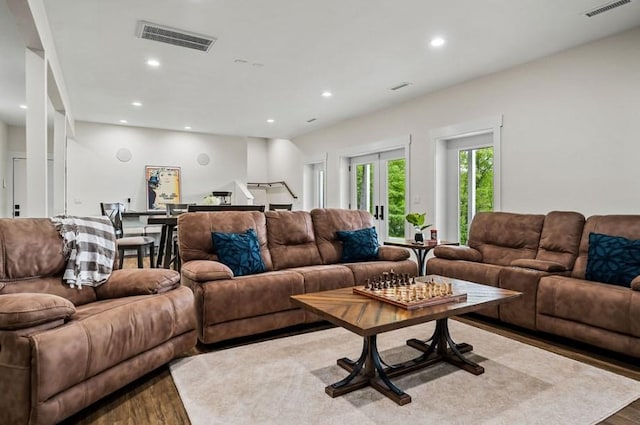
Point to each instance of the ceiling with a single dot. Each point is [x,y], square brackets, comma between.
[273,59]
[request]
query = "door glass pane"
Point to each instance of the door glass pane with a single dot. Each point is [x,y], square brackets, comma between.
[364,187]
[396,188]
[475,165]
[463,193]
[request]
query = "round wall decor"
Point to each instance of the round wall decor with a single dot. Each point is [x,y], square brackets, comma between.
[203,159]
[123,155]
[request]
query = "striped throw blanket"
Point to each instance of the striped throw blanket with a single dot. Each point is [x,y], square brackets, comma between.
[90,244]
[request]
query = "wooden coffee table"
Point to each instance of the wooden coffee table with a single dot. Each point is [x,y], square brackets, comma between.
[369,317]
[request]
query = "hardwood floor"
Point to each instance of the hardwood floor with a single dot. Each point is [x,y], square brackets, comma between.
[154,400]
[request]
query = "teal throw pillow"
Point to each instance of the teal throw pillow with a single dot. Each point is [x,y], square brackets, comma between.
[613,259]
[239,251]
[359,245]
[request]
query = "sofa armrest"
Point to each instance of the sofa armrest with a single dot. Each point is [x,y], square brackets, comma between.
[635,284]
[130,282]
[25,310]
[205,271]
[542,265]
[392,253]
[454,252]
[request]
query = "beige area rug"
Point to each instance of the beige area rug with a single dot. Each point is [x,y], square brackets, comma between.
[282,382]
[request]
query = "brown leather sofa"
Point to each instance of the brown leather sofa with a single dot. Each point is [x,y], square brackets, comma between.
[301,253]
[545,257]
[62,348]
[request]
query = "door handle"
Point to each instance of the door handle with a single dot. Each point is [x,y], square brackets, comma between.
[375,215]
[381,212]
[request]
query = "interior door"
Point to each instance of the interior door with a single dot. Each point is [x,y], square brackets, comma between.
[378,185]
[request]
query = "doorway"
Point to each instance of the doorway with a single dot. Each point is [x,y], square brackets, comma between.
[379,185]
[19,196]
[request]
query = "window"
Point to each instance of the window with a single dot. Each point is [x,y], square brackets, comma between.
[475,167]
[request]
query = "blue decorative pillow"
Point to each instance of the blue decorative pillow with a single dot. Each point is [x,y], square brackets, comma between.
[359,245]
[239,251]
[613,259]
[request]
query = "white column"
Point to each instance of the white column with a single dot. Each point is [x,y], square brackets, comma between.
[36,129]
[59,164]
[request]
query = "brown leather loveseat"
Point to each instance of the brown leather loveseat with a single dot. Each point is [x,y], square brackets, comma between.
[301,253]
[62,348]
[545,257]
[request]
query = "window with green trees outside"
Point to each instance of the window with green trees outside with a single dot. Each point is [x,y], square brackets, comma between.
[476,186]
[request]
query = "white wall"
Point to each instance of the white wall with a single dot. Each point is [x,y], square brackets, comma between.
[570,136]
[5,202]
[285,164]
[95,175]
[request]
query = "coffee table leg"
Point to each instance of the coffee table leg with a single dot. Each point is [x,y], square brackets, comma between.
[374,375]
[443,348]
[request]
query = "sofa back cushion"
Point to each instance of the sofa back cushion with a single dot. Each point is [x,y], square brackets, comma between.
[31,260]
[560,238]
[328,221]
[627,226]
[194,232]
[503,237]
[291,240]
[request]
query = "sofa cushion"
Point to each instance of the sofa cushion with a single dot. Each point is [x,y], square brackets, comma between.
[503,237]
[327,221]
[369,269]
[613,259]
[194,233]
[325,277]
[239,251]
[358,245]
[635,284]
[560,238]
[544,266]
[627,226]
[291,240]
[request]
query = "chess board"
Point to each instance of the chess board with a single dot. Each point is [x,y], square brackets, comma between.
[412,295]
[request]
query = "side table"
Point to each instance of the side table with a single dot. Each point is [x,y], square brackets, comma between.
[420,249]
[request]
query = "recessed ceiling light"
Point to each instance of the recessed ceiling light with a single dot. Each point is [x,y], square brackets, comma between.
[187,127]
[123,121]
[153,62]
[24,107]
[136,103]
[327,93]
[271,120]
[437,42]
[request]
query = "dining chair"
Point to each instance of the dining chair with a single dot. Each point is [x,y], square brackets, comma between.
[209,208]
[113,210]
[280,207]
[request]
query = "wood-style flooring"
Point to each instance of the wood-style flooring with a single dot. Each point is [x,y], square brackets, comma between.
[154,400]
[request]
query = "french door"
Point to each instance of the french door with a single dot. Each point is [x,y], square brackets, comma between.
[470,168]
[378,185]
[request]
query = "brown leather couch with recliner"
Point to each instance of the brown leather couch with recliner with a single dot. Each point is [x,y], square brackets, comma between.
[301,252]
[62,348]
[545,257]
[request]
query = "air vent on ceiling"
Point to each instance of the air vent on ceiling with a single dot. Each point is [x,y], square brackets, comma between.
[311,120]
[400,86]
[174,36]
[605,8]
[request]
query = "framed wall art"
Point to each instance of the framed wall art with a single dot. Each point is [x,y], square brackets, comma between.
[163,186]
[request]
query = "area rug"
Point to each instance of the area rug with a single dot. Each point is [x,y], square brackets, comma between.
[282,381]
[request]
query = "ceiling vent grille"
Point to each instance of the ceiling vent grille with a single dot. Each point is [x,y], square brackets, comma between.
[607,7]
[163,34]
